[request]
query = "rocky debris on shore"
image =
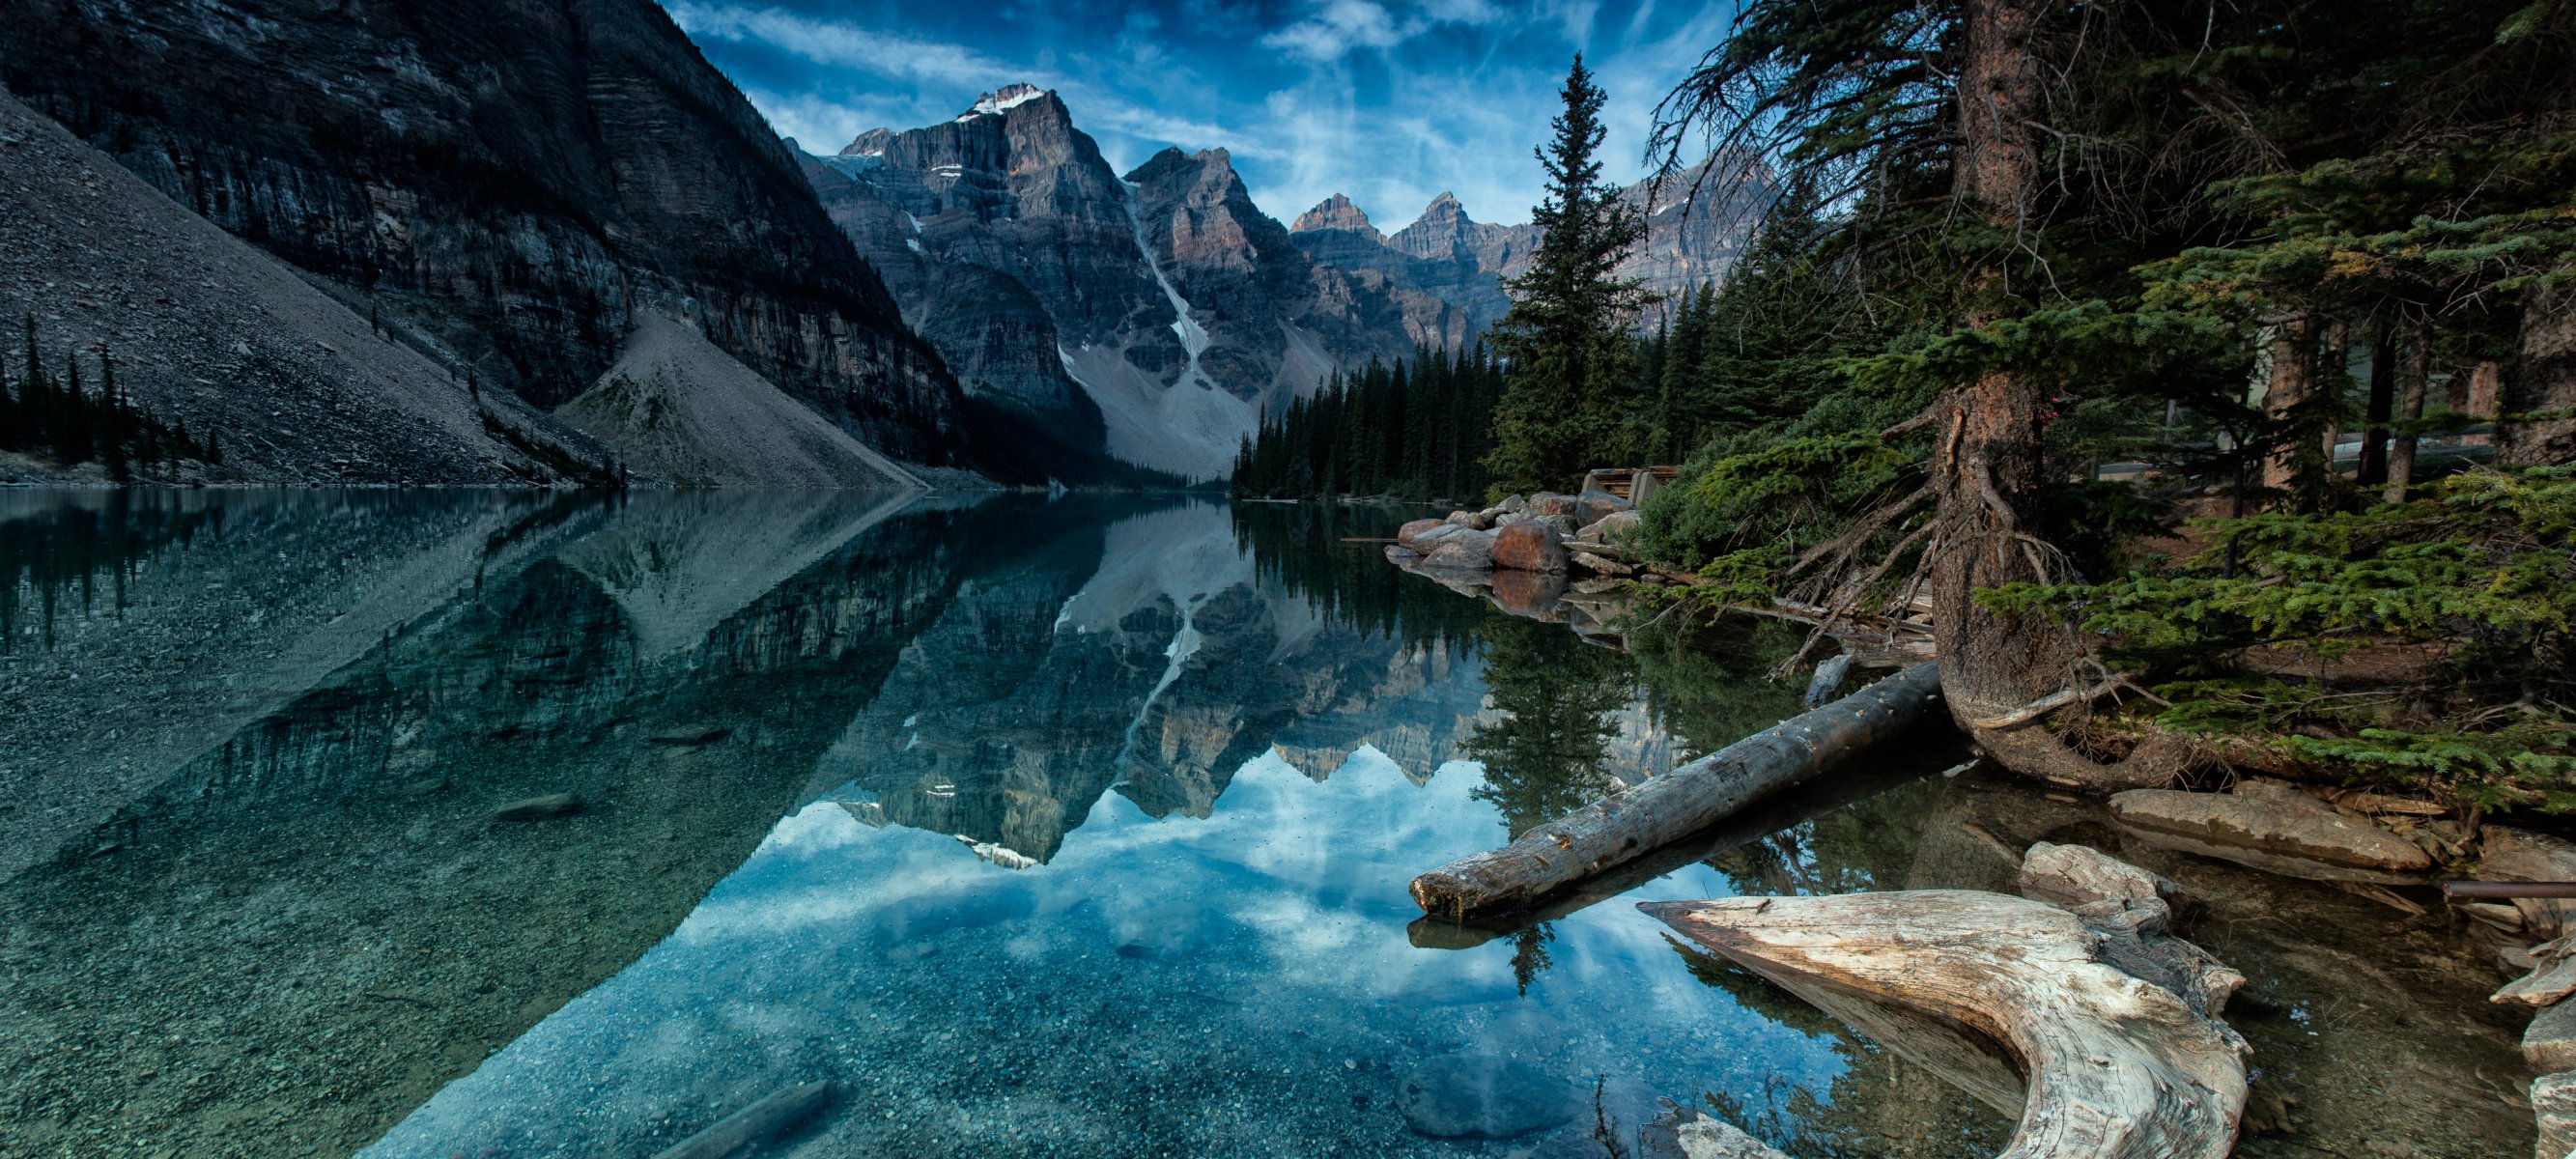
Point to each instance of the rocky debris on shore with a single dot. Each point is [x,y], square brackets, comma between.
[2273,826]
[2547,970]
[543,808]
[1584,535]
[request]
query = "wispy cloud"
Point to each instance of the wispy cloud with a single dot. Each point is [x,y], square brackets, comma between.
[1389,101]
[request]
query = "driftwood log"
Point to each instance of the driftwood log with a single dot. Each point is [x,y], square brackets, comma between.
[2114,1067]
[1627,825]
[773,1114]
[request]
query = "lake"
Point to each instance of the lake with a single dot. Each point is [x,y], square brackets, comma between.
[1072,827]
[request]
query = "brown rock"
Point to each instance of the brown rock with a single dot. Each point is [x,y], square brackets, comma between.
[1530,546]
[2277,820]
[2551,980]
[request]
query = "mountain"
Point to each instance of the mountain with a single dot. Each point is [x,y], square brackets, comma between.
[1161,312]
[511,185]
[1698,222]
[1157,312]
[208,332]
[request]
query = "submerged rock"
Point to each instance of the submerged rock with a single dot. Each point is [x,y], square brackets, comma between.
[539,808]
[2273,827]
[1706,1138]
[1483,1096]
[1529,547]
[2074,875]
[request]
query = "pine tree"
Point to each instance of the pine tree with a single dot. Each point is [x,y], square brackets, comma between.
[1571,395]
[115,432]
[75,443]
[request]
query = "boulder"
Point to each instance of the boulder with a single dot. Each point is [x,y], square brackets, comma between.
[1482,520]
[1484,1096]
[1460,517]
[1611,532]
[2074,875]
[2550,979]
[1715,1139]
[1401,555]
[1564,524]
[1404,535]
[2508,854]
[2549,1046]
[1592,507]
[1466,550]
[1514,504]
[2274,827]
[1529,547]
[1600,564]
[1550,503]
[2553,1102]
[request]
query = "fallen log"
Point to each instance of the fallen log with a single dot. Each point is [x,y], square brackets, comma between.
[2114,1067]
[1664,809]
[1771,815]
[773,1114]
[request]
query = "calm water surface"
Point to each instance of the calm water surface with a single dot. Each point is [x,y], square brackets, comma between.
[1036,828]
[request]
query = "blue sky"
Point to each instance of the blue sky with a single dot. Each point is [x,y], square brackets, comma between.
[1389,101]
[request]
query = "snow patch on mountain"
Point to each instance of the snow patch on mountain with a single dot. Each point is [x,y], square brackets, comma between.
[1003,100]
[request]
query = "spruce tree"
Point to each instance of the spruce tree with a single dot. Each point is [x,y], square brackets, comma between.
[1571,397]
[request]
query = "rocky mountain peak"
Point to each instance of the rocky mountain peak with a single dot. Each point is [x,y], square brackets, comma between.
[1440,234]
[1336,213]
[1004,99]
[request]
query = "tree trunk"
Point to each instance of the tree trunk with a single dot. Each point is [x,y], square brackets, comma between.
[2414,377]
[2372,468]
[1986,459]
[2288,395]
[2542,383]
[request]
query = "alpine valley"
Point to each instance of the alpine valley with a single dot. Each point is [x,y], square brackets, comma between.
[484,241]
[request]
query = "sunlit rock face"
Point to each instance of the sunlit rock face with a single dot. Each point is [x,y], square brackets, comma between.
[508,182]
[328,891]
[1156,313]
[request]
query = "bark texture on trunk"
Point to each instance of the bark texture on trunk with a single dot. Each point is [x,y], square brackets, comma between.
[2414,378]
[2543,381]
[2287,389]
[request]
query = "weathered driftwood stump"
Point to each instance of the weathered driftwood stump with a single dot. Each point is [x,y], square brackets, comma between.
[2116,1067]
[1664,809]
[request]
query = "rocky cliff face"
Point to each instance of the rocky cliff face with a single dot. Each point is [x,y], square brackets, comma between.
[509,180]
[1697,223]
[1157,313]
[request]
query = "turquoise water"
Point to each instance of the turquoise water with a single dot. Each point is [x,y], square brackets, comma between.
[1033,828]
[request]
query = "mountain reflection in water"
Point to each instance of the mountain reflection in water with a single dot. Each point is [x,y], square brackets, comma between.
[1075,827]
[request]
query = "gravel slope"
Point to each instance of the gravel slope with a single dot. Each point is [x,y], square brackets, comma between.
[677,409]
[207,328]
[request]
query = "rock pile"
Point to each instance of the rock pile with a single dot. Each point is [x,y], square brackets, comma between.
[2548,971]
[1546,533]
